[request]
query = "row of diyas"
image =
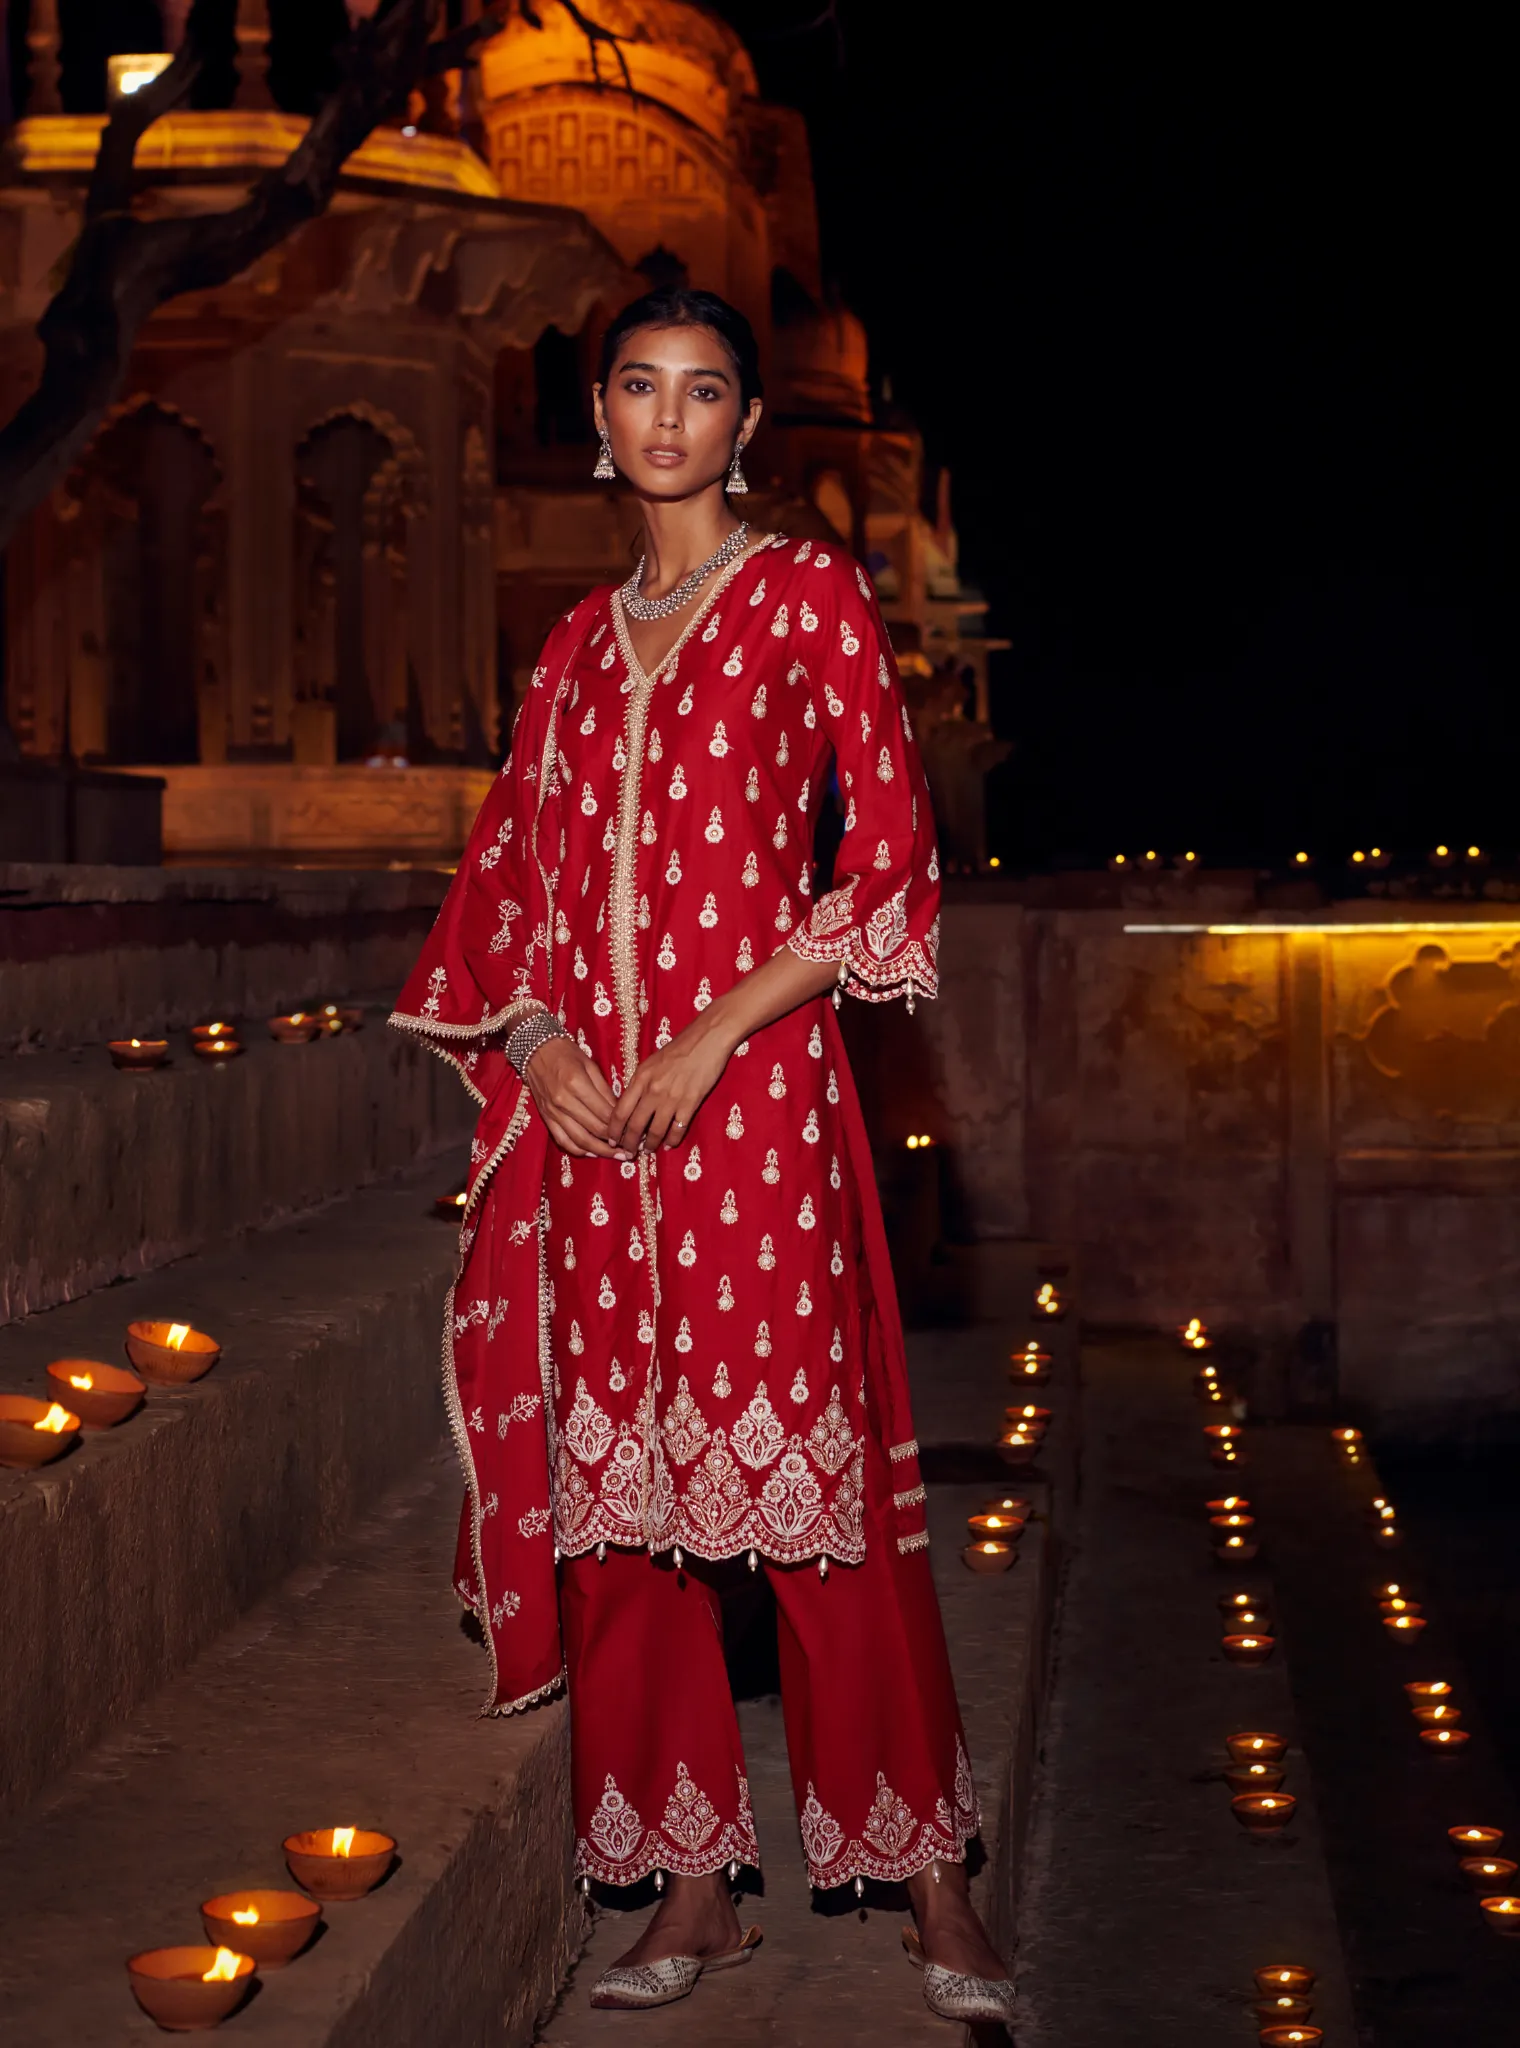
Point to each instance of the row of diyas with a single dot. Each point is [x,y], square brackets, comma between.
[189,1988]
[88,1395]
[217,1042]
[994,1533]
[1434,1710]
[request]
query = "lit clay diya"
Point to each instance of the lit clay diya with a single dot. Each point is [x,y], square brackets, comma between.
[1228,1504]
[450,1208]
[339,1863]
[170,1354]
[1502,1912]
[1399,1605]
[269,1926]
[1284,2007]
[1236,1548]
[1025,1415]
[1193,1335]
[998,1527]
[1255,1777]
[1427,1692]
[1029,1368]
[1488,1873]
[1294,1977]
[1263,1813]
[1347,1438]
[33,1433]
[1437,1717]
[1445,1741]
[188,1990]
[1475,1841]
[299,1028]
[989,1556]
[138,1055]
[100,1395]
[1404,1628]
[1250,1650]
[1010,1504]
[216,1052]
[1017,1447]
[1050,1302]
[1387,1536]
[338,1017]
[219,1027]
[1292,2034]
[1229,1603]
[1250,1621]
[1257,1747]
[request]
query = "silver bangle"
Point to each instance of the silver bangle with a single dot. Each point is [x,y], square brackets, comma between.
[533,1032]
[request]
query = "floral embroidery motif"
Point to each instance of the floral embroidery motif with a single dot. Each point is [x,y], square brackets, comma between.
[690,1816]
[684,1429]
[615,1826]
[588,1433]
[758,1435]
[891,1825]
[822,1836]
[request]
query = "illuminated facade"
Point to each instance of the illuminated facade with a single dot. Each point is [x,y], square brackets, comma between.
[341,499]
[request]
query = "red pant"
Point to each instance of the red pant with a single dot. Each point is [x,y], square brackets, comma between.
[879,1766]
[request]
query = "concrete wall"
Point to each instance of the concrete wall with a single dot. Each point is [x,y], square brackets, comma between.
[1309,1138]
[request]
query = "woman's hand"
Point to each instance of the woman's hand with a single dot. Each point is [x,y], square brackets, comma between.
[668,1088]
[573,1099]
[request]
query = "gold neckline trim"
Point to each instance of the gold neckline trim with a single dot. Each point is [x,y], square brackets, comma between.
[643,681]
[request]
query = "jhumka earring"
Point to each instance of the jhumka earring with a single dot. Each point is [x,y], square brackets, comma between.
[736,484]
[604,471]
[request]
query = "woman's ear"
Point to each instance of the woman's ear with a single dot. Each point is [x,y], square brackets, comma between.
[751,420]
[598,416]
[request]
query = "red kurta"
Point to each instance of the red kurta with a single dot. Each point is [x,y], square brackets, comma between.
[686,1349]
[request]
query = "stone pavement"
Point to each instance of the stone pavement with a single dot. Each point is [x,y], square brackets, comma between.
[834,1971]
[1147,1907]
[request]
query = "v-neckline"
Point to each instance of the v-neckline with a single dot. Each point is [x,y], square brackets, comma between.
[644,680]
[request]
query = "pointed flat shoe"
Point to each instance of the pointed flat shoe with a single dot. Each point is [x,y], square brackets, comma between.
[977,2001]
[632,1986]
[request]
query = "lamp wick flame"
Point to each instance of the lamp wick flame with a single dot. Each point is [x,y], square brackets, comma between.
[178,1332]
[343,1841]
[56,1421]
[246,1916]
[83,1380]
[224,1970]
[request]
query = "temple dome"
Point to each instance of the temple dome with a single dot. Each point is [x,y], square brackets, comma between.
[679,56]
[822,364]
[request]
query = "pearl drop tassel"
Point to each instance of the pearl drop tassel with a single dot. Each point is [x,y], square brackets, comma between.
[679,1555]
[601,1553]
[823,1567]
[659,1880]
[860,1887]
[733,1872]
[754,1561]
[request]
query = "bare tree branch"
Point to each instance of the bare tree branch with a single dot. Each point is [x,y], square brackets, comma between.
[123,267]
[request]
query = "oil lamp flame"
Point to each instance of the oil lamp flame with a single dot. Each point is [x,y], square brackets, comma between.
[224,1970]
[56,1421]
[343,1841]
[83,1380]
[178,1332]
[246,1916]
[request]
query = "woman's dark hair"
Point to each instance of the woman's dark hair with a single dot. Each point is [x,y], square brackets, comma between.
[676,306]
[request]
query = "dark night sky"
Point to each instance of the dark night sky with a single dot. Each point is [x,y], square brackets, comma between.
[1204,312]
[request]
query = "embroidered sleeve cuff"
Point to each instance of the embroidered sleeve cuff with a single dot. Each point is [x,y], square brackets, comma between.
[877,960]
[492,1023]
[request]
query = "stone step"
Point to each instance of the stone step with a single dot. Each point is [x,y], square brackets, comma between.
[349,1697]
[105,1174]
[92,953]
[136,1549]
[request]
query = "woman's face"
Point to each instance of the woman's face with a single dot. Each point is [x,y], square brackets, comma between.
[672,410]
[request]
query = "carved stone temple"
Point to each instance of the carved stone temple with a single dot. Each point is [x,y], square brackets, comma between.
[307,560]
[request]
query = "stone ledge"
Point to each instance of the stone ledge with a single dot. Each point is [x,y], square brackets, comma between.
[103,1174]
[351,1694]
[93,953]
[126,1558]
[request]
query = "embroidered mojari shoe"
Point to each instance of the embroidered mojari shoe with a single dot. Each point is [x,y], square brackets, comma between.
[978,2001]
[632,1985]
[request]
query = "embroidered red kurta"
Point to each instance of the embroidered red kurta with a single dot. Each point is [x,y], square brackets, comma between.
[687,1349]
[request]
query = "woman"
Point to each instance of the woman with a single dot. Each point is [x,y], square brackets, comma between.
[673,1340]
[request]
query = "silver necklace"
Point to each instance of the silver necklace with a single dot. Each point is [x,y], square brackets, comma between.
[643,608]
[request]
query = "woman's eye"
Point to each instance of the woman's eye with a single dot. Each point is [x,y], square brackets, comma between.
[704,391]
[635,385]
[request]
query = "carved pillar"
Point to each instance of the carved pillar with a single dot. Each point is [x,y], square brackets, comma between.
[42,43]
[253,56]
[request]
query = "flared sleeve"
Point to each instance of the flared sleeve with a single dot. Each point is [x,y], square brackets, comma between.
[485,964]
[880,921]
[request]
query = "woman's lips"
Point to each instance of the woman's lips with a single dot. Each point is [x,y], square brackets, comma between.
[665,458]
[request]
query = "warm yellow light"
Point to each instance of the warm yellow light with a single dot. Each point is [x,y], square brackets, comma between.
[1473,853]
[224,1970]
[1152,855]
[56,1421]
[1302,859]
[83,1380]
[246,1916]
[912,1144]
[1190,856]
[178,1332]
[1377,853]
[1358,858]
[343,1841]
[126,75]
[994,862]
[1442,852]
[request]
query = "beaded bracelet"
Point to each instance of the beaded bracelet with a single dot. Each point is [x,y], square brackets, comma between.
[533,1032]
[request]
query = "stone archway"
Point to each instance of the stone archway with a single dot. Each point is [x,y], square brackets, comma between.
[359,477]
